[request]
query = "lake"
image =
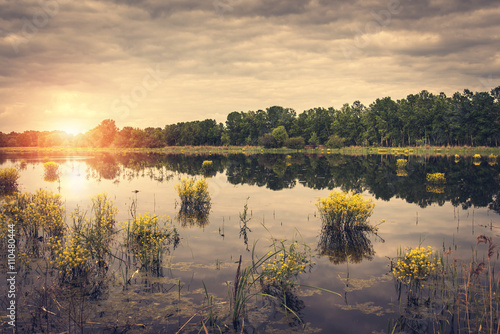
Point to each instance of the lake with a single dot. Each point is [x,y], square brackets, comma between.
[281,192]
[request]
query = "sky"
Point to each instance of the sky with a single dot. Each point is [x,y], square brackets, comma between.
[68,65]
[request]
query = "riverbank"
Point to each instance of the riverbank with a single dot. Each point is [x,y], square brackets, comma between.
[355,150]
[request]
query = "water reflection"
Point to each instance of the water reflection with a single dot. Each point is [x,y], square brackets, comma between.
[467,182]
[345,245]
[189,218]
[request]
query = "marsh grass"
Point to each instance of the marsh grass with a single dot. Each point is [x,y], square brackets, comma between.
[147,237]
[449,295]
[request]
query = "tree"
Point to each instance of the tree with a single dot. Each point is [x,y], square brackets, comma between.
[280,135]
[104,134]
[314,140]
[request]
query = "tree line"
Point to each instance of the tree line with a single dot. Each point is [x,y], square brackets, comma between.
[467,118]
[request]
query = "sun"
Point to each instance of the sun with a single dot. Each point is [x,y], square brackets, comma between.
[71,129]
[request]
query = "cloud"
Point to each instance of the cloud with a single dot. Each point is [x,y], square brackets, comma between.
[226,55]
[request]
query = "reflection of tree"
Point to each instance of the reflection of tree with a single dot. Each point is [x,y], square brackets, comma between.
[466,184]
[345,245]
[495,204]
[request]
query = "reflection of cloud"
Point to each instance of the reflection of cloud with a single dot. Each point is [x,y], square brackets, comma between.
[366,308]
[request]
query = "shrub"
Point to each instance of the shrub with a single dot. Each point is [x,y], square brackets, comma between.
[296,143]
[335,141]
[280,135]
[267,140]
[8,180]
[346,211]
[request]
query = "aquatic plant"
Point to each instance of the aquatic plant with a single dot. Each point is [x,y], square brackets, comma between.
[194,195]
[285,264]
[147,236]
[449,293]
[414,266]
[70,257]
[435,188]
[8,180]
[51,171]
[492,159]
[33,213]
[96,232]
[346,210]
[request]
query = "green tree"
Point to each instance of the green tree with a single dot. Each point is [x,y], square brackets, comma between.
[314,140]
[280,135]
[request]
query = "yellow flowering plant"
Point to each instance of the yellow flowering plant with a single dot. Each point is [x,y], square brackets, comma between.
[194,195]
[207,167]
[285,264]
[415,266]
[147,236]
[70,257]
[401,163]
[346,210]
[51,171]
[35,213]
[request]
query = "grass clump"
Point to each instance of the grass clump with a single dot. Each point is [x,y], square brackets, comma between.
[147,236]
[194,195]
[8,180]
[285,264]
[195,202]
[346,211]
[51,170]
[415,266]
[96,232]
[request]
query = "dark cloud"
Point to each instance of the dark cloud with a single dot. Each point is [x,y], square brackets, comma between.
[224,55]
